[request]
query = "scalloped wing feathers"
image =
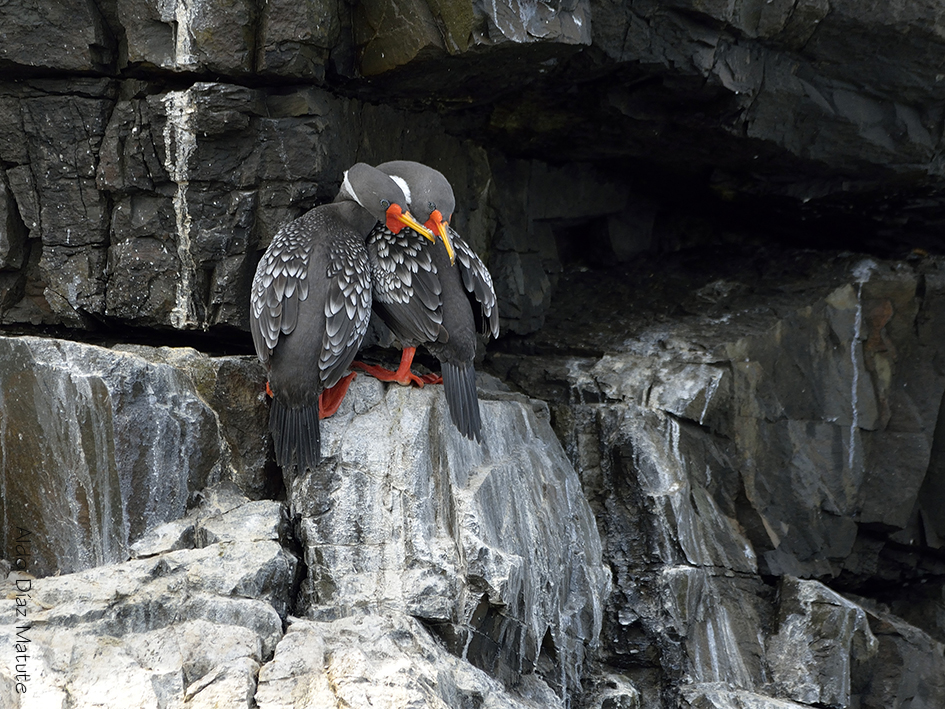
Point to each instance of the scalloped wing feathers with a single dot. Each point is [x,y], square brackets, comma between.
[347,308]
[284,277]
[281,281]
[478,282]
[406,279]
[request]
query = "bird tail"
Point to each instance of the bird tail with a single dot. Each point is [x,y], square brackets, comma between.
[459,381]
[295,435]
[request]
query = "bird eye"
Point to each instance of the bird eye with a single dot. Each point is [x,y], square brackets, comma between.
[432,206]
[385,204]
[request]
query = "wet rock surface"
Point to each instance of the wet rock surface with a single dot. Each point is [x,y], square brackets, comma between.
[470,572]
[494,546]
[100,444]
[777,426]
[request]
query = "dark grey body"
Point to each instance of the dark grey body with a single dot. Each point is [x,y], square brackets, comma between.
[424,299]
[310,308]
[458,352]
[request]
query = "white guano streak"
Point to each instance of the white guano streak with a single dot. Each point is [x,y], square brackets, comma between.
[179,12]
[179,144]
[862,273]
[854,403]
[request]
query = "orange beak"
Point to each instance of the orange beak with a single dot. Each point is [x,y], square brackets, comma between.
[397,219]
[438,224]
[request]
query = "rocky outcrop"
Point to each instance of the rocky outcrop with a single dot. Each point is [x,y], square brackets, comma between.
[377,660]
[751,565]
[781,426]
[485,557]
[98,445]
[492,546]
[187,623]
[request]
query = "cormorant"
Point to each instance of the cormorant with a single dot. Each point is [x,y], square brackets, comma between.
[310,306]
[434,294]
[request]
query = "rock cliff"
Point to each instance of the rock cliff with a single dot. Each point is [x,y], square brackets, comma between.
[472,571]
[715,422]
[769,442]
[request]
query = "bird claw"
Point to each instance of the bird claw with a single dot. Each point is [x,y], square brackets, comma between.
[417,380]
[386,375]
[330,399]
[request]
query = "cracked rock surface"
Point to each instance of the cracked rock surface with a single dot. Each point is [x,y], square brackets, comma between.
[770,420]
[479,571]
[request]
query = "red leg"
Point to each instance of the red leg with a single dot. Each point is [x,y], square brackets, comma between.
[403,375]
[269,390]
[330,399]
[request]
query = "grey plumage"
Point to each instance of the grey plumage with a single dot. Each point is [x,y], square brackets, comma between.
[425,299]
[310,305]
[319,247]
[478,283]
[408,292]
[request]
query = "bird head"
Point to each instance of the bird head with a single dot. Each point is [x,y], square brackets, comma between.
[382,197]
[429,195]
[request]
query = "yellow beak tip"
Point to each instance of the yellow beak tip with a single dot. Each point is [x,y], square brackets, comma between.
[408,220]
[444,236]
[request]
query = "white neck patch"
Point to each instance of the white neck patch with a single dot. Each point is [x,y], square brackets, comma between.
[402,184]
[346,187]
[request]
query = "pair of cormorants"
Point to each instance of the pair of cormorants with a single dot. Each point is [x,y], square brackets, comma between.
[315,286]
